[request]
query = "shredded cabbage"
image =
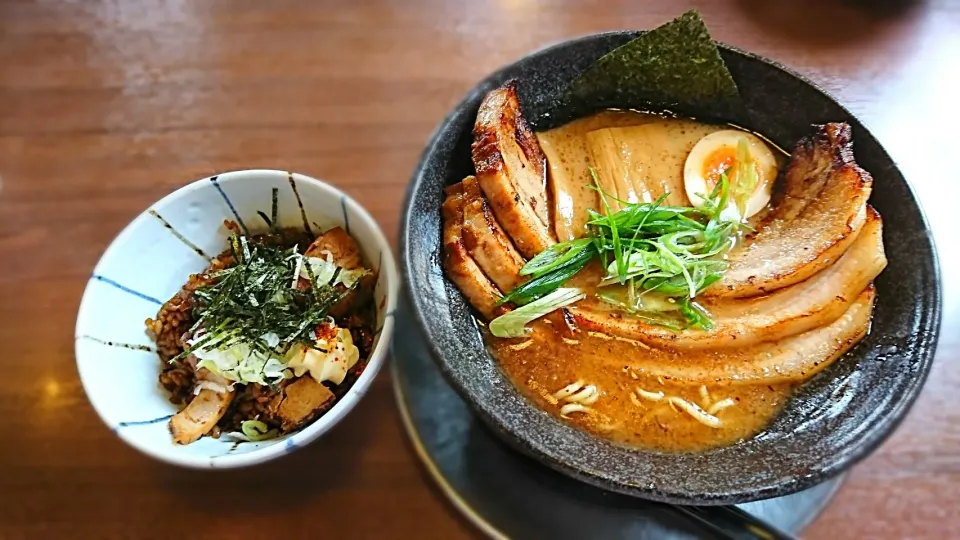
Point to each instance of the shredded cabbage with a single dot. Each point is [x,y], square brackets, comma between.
[210,385]
[329,360]
[349,278]
[323,269]
[271,339]
[238,362]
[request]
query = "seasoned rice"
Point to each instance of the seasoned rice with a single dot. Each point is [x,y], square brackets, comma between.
[252,401]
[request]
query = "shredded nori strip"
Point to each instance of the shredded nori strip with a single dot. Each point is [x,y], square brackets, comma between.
[257,296]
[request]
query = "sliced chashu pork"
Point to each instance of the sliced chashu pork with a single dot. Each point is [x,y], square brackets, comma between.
[793,359]
[485,240]
[457,262]
[511,170]
[204,410]
[823,209]
[497,260]
[343,251]
[745,322]
[301,401]
[807,176]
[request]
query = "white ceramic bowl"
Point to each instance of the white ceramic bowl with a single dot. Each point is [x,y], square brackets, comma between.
[152,258]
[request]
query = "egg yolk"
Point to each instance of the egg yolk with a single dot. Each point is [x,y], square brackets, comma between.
[719,161]
[716,163]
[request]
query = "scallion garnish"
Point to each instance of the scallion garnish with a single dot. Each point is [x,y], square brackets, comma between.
[255,430]
[744,177]
[551,269]
[648,248]
[513,324]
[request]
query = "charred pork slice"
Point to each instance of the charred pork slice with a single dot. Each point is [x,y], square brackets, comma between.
[743,322]
[511,169]
[457,262]
[302,401]
[345,253]
[342,247]
[486,241]
[794,359]
[823,209]
[809,169]
[204,410]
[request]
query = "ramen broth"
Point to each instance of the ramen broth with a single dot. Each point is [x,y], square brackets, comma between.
[551,362]
[629,405]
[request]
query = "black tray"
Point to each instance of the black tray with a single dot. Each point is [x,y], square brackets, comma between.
[507,495]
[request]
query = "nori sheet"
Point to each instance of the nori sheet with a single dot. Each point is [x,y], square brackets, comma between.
[675,67]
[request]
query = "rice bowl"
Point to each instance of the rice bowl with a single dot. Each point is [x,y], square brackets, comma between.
[150,260]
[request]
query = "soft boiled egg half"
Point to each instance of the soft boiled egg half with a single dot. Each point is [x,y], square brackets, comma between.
[717,153]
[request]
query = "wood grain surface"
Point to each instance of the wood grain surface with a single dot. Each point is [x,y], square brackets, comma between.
[107,105]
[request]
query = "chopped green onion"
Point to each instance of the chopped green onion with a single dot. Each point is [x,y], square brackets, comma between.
[549,281]
[554,256]
[647,247]
[695,314]
[745,177]
[659,317]
[611,223]
[255,430]
[513,324]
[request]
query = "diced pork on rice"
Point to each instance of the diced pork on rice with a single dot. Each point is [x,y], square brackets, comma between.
[170,330]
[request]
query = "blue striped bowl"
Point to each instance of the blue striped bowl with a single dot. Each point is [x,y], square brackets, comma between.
[152,258]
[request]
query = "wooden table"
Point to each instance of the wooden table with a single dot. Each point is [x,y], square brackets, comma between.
[107,105]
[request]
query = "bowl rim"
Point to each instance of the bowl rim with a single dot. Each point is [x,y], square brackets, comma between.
[869,442]
[340,409]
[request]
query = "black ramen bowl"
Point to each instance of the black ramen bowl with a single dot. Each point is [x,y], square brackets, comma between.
[830,423]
